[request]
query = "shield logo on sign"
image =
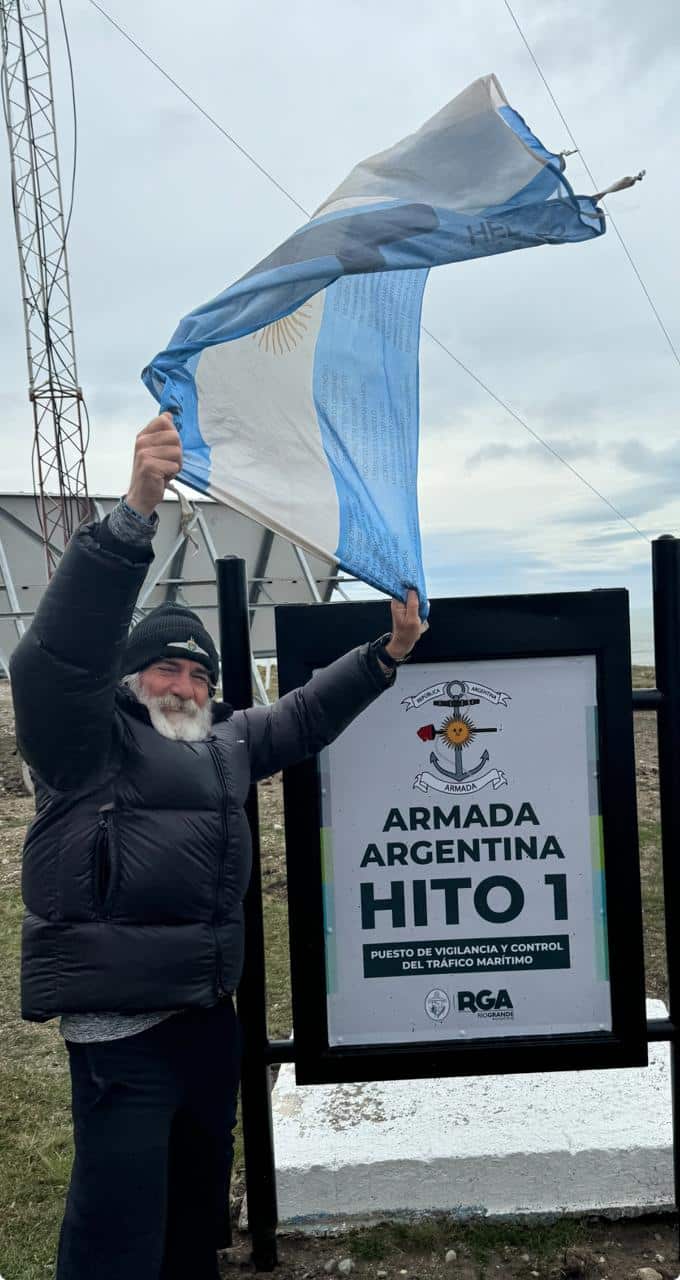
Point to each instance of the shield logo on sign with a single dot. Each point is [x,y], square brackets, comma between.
[437,1005]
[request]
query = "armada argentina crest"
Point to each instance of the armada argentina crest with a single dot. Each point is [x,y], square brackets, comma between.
[454,736]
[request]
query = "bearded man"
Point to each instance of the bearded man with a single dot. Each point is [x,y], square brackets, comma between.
[135,869]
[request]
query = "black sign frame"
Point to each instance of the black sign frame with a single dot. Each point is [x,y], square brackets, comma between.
[473,629]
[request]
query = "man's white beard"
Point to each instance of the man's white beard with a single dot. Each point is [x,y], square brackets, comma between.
[188,723]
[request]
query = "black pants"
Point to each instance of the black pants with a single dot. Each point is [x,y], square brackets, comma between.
[153,1116]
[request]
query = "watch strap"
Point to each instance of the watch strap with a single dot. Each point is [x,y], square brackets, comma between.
[379,648]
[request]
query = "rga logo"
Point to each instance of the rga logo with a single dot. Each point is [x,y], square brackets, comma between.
[437,1005]
[486,1004]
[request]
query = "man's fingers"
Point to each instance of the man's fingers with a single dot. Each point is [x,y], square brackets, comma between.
[410,608]
[169,450]
[412,605]
[168,435]
[160,467]
[161,423]
[406,612]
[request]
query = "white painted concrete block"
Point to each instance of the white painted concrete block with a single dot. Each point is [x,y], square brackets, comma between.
[570,1142]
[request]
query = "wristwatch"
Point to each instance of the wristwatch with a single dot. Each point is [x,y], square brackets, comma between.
[380,651]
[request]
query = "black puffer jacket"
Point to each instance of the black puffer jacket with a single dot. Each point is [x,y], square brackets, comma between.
[137,861]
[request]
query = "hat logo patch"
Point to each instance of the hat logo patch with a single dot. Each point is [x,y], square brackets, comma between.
[189,645]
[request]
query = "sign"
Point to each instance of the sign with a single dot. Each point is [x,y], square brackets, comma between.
[462,857]
[463,868]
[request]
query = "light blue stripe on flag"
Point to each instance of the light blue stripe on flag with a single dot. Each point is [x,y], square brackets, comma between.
[366,395]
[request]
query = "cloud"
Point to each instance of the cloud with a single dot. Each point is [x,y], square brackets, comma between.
[533,451]
[649,501]
[636,455]
[611,537]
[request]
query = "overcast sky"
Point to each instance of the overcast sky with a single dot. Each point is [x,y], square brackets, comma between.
[167,213]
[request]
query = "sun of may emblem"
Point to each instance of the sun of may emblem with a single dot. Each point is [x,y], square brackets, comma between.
[283,335]
[458,731]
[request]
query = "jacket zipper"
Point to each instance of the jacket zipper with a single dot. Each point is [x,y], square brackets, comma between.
[104,868]
[219,975]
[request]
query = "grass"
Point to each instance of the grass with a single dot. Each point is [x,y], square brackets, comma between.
[35,1157]
[656,975]
[35,1140]
[481,1239]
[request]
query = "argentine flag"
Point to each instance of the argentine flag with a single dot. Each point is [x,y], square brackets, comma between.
[296,389]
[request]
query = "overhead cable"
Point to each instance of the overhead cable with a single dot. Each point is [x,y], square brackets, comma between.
[230,138]
[610,219]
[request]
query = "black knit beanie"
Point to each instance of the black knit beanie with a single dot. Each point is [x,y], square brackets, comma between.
[170,631]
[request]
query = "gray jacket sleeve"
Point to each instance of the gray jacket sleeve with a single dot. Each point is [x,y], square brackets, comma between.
[302,722]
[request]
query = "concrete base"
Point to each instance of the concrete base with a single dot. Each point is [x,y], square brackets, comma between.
[572,1142]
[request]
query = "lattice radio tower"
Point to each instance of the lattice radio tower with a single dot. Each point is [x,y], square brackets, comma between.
[59,444]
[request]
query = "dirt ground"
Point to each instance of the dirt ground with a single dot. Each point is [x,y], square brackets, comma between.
[578,1251]
[566,1250]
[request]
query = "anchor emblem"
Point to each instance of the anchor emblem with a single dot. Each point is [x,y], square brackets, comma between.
[458,732]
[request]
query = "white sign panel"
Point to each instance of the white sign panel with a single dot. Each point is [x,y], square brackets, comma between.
[462,857]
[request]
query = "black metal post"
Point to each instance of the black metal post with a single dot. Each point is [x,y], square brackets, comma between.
[258,1138]
[666,580]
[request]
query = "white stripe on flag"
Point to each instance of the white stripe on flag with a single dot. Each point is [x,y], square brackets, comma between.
[257,414]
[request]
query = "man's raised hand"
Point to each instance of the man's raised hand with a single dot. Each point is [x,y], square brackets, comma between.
[406,626]
[158,458]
